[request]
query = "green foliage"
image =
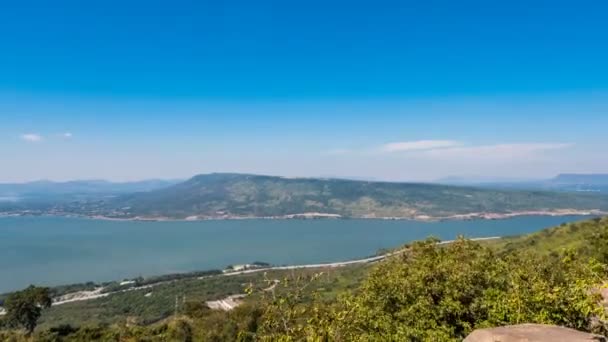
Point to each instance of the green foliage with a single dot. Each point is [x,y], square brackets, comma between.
[23,308]
[179,330]
[160,304]
[438,293]
[587,238]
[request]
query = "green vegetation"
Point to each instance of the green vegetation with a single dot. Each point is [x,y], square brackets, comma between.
[237,195]
[133,315]
[442,293]
[429,293]
[588,238]
[135,307]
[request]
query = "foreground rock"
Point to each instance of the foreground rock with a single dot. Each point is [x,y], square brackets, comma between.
[531,333]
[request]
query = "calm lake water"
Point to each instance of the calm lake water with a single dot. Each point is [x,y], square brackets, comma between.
[54,250]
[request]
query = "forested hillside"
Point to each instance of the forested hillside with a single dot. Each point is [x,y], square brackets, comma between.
[239,195]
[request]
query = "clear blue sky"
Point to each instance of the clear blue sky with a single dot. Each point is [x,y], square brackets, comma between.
[393,90]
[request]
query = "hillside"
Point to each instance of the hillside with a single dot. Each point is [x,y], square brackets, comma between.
[588,238]
[581,179]
[565,182]
[49,190]
[241,195]
[581,182]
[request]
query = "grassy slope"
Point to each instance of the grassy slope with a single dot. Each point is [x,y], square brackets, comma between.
[161,303]
[250,195]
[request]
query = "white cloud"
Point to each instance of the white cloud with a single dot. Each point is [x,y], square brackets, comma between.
[66,135]
[31,137]
[504,152]
[419,145]
[455,157]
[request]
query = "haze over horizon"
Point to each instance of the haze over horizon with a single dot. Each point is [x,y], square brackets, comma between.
[461,179]
[393,91]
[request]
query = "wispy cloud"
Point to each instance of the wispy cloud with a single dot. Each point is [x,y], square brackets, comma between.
[66,135]
[419,145]
[460,152]
[31,137]
[498,153]
[495,152]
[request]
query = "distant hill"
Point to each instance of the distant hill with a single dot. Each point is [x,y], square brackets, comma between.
[567,182]
[224,195]
[473,180]
[581,179]
[71,189]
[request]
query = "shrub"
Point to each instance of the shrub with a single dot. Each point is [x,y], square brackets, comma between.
[442,293]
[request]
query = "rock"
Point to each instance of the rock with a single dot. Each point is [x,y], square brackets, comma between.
[604,293]
[531,333]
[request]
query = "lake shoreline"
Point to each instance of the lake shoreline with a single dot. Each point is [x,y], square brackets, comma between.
[100,289]
[325,216]
[71,250]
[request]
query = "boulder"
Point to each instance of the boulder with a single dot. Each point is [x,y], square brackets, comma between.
[531,333]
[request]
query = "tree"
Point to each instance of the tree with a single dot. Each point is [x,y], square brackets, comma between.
[23,308]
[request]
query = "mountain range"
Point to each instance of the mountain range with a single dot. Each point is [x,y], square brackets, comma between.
[230,195]
[570,182]
[226,195]
[78,189]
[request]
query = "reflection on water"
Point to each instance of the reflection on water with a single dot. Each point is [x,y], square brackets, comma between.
[9,199]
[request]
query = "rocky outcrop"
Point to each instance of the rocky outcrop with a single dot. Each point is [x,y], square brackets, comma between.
[531,333]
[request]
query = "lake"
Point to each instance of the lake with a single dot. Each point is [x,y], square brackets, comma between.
[58,250]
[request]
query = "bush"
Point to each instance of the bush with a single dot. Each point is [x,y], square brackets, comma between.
[179,330]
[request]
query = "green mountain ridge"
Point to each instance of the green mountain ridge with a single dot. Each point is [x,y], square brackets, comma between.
[228,195]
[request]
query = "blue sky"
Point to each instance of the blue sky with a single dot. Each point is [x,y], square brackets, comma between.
[391,90]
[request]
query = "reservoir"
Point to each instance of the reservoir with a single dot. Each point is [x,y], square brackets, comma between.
[50,251]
